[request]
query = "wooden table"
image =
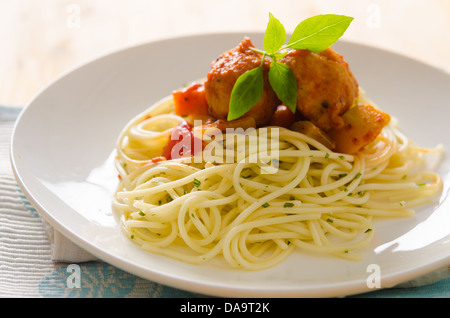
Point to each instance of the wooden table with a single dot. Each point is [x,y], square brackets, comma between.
[43,39]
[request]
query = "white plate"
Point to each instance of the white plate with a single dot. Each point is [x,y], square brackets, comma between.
[62,150]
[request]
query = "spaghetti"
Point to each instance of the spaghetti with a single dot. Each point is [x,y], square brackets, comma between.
[317,200]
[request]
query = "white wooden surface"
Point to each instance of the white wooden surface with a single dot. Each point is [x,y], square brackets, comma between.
[42,39]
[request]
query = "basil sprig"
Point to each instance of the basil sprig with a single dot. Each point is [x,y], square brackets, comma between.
[314,34]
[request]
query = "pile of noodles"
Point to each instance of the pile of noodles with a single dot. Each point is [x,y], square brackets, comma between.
[265,203]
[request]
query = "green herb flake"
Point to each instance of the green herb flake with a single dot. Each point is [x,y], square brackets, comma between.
[197,183]
[265,205]
[141,213]
[288,205]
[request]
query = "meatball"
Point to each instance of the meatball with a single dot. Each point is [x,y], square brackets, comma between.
[326,86]
[224,73]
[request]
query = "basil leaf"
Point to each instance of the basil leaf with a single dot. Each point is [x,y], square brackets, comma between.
[275,35]
[247,91]
[319,32]
[283,82]
[280,55]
